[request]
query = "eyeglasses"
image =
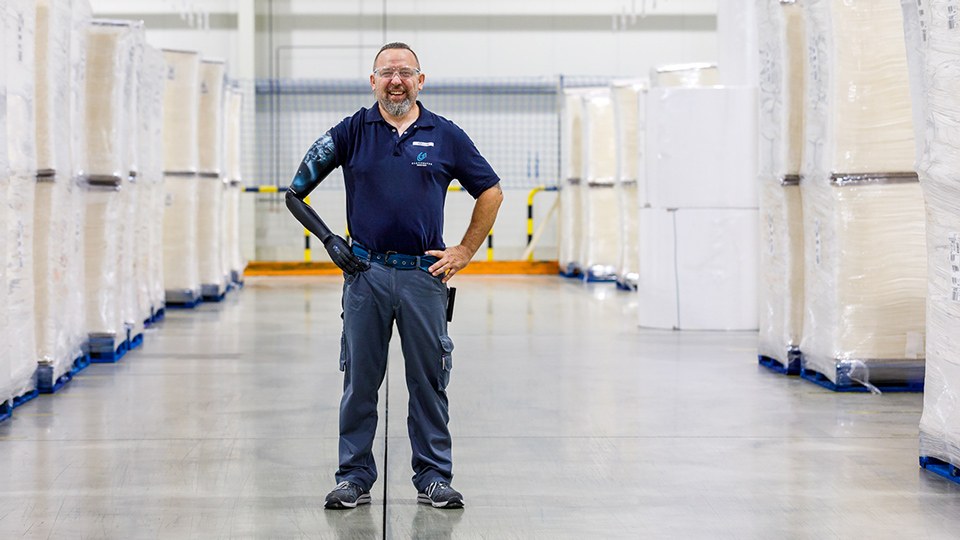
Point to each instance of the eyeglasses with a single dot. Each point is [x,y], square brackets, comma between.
[389,72]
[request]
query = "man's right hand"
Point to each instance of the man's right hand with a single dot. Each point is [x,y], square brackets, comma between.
[342,255]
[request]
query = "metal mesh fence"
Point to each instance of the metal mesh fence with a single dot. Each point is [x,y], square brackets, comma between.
[514,122]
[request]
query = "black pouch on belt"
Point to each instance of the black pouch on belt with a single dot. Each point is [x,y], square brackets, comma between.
[451,298]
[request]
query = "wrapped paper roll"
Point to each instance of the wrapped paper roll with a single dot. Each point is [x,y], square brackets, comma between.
[781,89]
[601,224]
[781,273]
[210,235]
[19,44]
[181,263]
[863,210]
[181,98]
[571,219]
[685,75]
[210,116]
[150,178]
[930,29]
[864,282]
[53,41]
[81,14]
[134,114]
[51,273]
[782,54]
[701,147]
[628,101]
[698,269]
[232,140]
[103,269]
[6,390]
[858,117]
[108,58]
[73,295]
[20,304]
[237,264]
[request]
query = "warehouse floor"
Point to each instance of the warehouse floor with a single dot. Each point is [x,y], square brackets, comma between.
[568,422]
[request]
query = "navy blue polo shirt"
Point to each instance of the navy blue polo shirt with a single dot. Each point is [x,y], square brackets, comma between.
[396,183]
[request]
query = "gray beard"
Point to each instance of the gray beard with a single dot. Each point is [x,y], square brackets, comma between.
[396,109]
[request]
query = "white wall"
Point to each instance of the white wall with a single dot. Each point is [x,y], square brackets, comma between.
[453,38]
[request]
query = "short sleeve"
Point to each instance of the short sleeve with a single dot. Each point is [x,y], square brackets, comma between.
[471,169]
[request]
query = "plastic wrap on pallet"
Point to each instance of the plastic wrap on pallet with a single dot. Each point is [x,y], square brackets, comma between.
[20,302]
[931,36]
[210,234]
[181,99]
[862,207]
[601,225]
[571,141]
[131,246]
[780,125]
[685,75]
[701,147]
[133,116]
[6,391]
[103,262]
[232,134]
[780,289]
[858,117]
[210,116]
[81,15]
[698,269]
[53,40]
[108,56]
[181,264]
[74,295]
[19,45]
[51,253]
[781,85]
[864,282]
[628,103]
[237,264]
[150,178]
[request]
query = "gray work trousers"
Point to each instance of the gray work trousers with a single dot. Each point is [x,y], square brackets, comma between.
[372,301]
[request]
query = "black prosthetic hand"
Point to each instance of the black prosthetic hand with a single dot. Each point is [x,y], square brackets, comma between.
[342,256]
[337,247]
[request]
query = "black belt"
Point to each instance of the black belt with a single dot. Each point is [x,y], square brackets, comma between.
[395,260]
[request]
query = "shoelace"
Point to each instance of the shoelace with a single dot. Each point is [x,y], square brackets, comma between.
[434,486]
[342,485]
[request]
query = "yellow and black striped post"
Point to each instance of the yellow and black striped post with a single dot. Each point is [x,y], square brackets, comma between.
[490,245]
[530,197]
[307,256]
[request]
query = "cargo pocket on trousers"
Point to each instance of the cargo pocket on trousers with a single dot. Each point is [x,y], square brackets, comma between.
[446,361]
[343,352]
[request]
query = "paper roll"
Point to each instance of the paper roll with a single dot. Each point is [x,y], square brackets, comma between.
[181,98]
[210,116]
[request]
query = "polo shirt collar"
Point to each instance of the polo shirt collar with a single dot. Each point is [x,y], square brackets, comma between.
[427,118]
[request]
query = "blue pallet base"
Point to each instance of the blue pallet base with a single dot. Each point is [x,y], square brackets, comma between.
[185,305]
[45,382]
[211,298]
[156,317]
[791,368]
[593,278]
[947,470]
[21,400]
[135,342]
[103,352]
[822,380]
[626,286]
[6,410]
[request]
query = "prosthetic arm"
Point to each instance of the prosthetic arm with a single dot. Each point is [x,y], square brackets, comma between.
[316,165]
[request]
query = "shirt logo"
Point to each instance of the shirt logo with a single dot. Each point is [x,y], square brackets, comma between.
[422,143]
[420,162]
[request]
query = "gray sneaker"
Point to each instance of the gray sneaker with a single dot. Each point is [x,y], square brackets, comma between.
[440,495]
[346,495]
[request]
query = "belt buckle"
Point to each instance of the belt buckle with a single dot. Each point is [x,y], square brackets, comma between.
[386,257]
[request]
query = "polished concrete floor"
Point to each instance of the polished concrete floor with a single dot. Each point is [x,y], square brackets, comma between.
[568,422]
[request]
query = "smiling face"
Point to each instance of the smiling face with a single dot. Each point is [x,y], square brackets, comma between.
[396,95]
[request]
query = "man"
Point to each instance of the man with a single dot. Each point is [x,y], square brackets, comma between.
[398,160]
